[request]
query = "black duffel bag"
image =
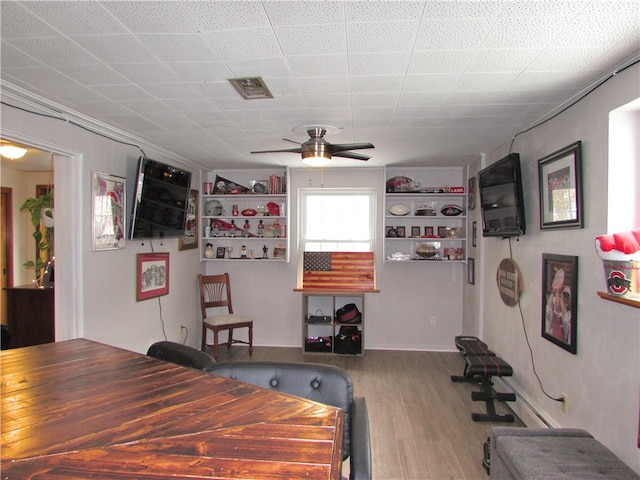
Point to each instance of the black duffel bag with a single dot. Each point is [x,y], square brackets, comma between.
[348,340]
[348,314]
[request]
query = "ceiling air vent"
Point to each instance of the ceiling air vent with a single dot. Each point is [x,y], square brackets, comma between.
[251,88]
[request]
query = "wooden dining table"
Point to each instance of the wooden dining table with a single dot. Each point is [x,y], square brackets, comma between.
[79,409]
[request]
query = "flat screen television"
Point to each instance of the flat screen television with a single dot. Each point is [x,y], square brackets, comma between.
[160,205]
[501,198]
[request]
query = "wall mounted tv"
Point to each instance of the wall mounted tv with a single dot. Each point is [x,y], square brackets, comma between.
[161,193]
[501,198]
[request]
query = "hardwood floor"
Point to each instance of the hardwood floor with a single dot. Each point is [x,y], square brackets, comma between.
[420,420]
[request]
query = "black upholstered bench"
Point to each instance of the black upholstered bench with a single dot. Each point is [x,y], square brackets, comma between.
[485,367]
[469,346]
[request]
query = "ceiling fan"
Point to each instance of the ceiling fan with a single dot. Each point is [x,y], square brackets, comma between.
[317,151]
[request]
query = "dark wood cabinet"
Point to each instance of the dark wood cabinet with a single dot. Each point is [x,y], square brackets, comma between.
[30,315]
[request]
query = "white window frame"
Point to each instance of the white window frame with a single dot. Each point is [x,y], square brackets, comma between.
[326,243]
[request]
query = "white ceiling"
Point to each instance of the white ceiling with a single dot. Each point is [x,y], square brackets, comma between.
[427,82]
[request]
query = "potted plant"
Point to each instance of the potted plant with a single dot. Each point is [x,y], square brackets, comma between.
[41,211]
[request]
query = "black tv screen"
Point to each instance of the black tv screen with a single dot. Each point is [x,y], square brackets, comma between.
[501,198]
[161,195]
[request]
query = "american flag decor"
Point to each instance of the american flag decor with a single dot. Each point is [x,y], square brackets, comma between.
[338,271]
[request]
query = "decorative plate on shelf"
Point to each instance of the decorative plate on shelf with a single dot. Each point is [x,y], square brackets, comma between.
[451,210]
[399,210]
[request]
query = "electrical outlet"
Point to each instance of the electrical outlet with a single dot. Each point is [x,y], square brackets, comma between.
[565,405]
[433,321]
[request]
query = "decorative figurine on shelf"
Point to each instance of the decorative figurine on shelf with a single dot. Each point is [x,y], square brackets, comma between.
[243,251]
[261,229]
[215,229]
[264,251]
[276,228]
[207,231]
[233,229]
[246,229]
[208,251]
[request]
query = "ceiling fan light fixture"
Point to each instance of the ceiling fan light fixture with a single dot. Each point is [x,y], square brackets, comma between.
[251,88]
[318,161]
[12,152]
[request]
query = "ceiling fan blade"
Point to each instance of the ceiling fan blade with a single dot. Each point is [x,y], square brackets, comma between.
[341,147]
[291,150]
[355,156]
[292,141]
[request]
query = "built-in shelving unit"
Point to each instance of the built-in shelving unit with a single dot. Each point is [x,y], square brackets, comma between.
[425,217]
[245,217]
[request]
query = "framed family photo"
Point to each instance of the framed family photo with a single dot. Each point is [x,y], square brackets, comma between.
[560,300]
[560,182]
[153,275]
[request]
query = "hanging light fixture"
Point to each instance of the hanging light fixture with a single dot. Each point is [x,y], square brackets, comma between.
[11,151]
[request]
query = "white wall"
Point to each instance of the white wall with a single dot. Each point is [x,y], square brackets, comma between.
[602,380]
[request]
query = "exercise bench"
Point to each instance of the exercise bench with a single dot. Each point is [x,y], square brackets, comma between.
[485,367]
[470,346]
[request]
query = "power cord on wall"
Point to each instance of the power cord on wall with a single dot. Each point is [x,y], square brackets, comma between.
[526,336]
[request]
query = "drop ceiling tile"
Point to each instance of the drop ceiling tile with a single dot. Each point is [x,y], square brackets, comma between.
[541,8]
[566,59]
[11,57]
[387,10]
[603,30]
[320,85]
[76,18]
[261,67]
[304,13]
[284,102]
[440,61]
[98,74]
[502,59]
[376,83]
[153,106]
[612,7]
[121,92]
[524,32]
[170,90]
[18,22]
[115,48]
[306,39]
[419,111]
[54,51]
[41,77]
[318,65]
[152,17]
[189,47]
[201,71]
[452,34]
[381,36]
[380,99]
[279,87]
[421,99]
[225,15]
[246,44]
[485,80]
[430,83]
[379,63]
[291,117]
[327,100]
[462,9]
[154,72]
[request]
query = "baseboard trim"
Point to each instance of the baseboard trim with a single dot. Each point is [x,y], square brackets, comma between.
[527,411]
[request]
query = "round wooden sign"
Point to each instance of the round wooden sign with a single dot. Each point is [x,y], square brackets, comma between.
[509,284]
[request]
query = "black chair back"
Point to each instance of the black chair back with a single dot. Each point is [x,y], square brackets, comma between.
[182,355]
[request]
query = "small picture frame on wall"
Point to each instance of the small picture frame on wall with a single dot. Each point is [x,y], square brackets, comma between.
[442,232]
[153,275]
[415,232]
[471,271]
[190,238]
[560,182]
[108,211]
[560,300]
[220,251]
[401,232]
[428,231]
[474,234]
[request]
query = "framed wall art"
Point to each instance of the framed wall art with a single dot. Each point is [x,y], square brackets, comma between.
[402,232]
[560,300]
[415,232]
[153,275]
[428,232]
[190,238]
[474,234]
[471,271]
[560,181]
[108,211]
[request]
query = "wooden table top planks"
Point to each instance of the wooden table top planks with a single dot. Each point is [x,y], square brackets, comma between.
[79,409]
